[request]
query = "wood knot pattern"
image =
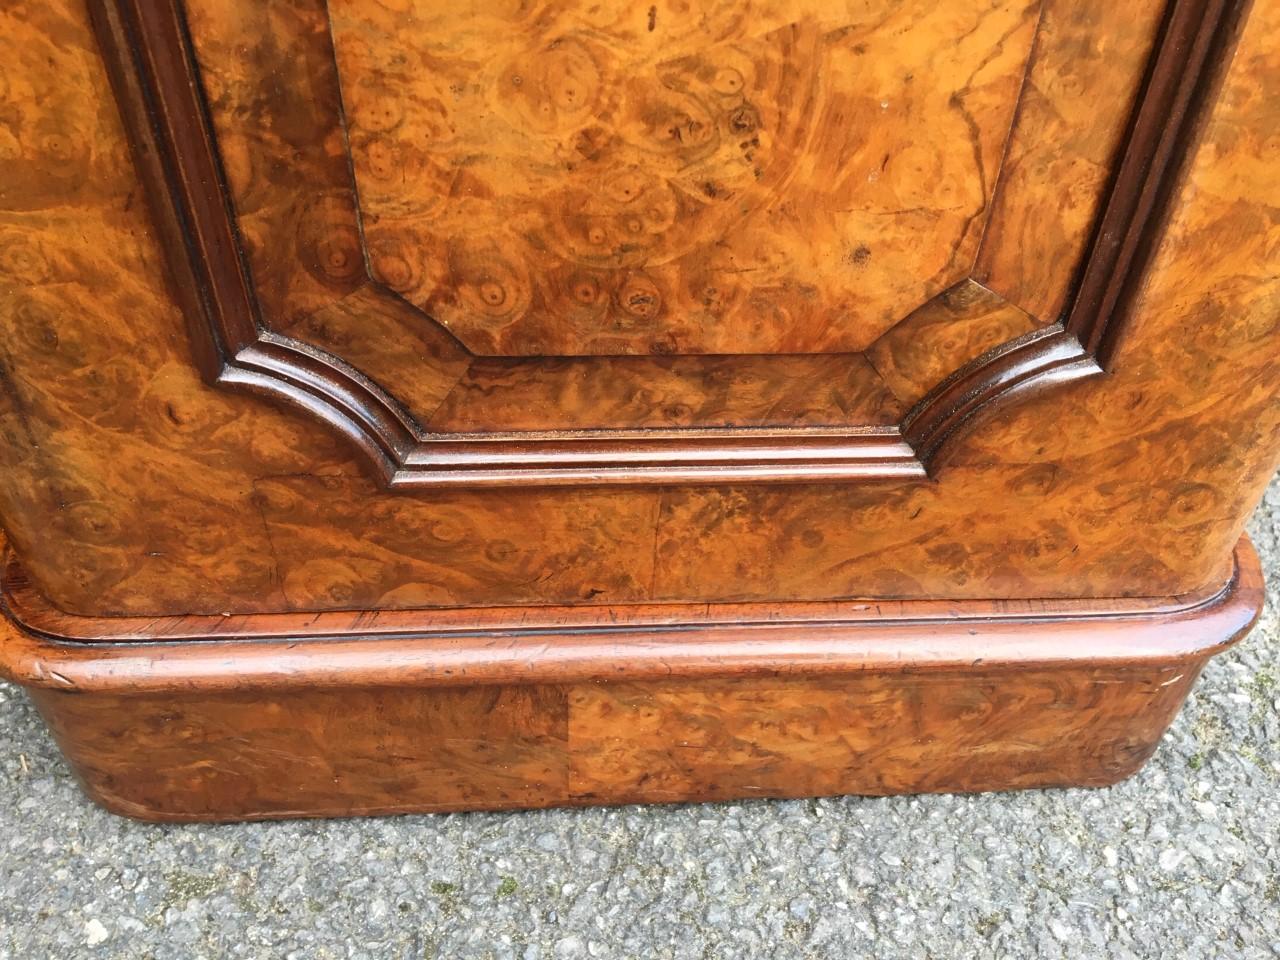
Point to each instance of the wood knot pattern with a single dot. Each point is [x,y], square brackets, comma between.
[722,176]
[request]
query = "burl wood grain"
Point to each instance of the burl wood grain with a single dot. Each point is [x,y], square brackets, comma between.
[667,742]
[130,487]
[301,237]
[389,341]
[330,752]
[728,177]
[503,709]
[364,752]
[942,336]
[1089,56]
[252,115]
[1141,477]
[584,393]
[273,95]
[593,642]
[490,538]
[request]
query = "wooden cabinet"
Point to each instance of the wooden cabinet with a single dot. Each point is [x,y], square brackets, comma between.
[510,404]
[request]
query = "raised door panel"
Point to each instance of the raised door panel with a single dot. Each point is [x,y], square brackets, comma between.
[722,177]
[590,243]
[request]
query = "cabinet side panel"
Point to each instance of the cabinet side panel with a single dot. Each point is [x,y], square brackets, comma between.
[134,488]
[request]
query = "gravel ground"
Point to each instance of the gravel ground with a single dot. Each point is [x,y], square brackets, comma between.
[1179,862]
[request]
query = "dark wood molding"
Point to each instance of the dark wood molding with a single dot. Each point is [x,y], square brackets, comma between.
[151,64]
[156,80]
[501,645]
[1034,361]
[1189,56]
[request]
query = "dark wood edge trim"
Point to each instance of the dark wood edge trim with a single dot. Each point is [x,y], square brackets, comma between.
[27,606]
[1050,355]
[149,60]
[156,82]
[732,455]
[171,136]
[1188,61]
[156,169]
[1194,41]
[921,636]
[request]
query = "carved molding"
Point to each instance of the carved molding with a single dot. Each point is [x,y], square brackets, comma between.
[153,69]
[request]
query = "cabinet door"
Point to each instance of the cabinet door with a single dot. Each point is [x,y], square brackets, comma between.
[594,302]
[597,243]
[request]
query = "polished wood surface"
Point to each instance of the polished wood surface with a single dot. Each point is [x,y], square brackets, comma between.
[969,320]
[594,643]
[130,487]
[1062,148]
[568,402]
[357,752]
[582,393]
[410,240]
[739,177]
[299,716]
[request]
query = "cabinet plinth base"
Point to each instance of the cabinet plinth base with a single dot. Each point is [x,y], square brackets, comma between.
[230,718]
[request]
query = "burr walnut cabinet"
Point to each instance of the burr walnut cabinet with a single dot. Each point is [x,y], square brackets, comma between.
[423,405]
